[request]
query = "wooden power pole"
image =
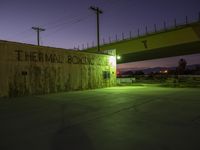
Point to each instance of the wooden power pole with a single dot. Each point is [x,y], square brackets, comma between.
[97,11]
[38,30]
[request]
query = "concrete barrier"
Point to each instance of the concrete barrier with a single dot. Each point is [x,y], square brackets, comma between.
[125,80]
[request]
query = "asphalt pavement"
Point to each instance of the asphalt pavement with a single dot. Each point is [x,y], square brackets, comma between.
[144,117]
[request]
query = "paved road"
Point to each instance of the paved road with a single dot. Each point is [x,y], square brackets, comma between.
[119,118]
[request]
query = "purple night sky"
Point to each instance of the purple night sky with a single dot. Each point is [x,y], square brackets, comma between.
[70,23]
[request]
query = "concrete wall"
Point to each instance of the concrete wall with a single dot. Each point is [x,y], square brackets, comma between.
[27,69]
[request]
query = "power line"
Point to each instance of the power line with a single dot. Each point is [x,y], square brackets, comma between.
[63,26]
[57,24]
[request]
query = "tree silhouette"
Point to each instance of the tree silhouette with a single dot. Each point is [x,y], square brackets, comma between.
[181,66]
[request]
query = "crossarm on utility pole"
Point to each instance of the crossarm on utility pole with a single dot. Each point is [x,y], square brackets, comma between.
[38,30]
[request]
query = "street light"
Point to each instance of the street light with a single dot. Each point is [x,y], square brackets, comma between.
[118,57]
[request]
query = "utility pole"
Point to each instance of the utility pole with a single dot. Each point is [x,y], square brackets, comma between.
[38,30]
[97,11]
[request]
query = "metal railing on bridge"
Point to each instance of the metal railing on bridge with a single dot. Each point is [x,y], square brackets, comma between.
[141,32]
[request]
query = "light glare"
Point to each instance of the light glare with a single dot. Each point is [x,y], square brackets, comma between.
[118,57]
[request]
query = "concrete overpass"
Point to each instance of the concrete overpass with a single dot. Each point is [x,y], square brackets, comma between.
[182,40]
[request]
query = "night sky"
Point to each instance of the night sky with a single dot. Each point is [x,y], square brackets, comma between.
[70,23]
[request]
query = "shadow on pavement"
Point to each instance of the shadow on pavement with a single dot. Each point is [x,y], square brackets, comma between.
[71,138]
